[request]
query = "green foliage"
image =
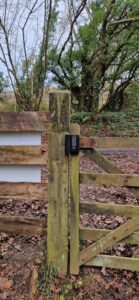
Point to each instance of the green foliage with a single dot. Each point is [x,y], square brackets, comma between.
[54,285]
[124,123]
[8,106]
[3,85]
[45,278]
[80,117]
[132,96]
[12,106]
[44,106]
[116,124]
[101,54]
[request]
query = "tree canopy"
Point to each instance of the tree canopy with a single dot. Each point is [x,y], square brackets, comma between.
[26,29]
[85,46]
[101,53]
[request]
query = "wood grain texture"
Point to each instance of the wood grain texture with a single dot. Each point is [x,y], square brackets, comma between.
[58,183]
[75,197]
[108,142]
[96,234]
[23,155]
[116,142]
[87,142]
[59,109]
[110,239]
[23,191]
[22,225]
[23,121]
[115,262]
[110,179]
[109,209]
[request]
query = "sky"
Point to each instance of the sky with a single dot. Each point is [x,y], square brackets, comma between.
[17,12]
[14,17]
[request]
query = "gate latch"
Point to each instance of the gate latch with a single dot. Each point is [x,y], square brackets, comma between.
[72,144]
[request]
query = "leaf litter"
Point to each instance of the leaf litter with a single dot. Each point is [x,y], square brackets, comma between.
[20,255]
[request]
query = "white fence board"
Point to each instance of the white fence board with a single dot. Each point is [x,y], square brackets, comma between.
[20,173]
[20,139]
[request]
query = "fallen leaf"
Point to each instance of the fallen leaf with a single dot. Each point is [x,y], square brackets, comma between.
[103,271]
[17,247]
[5,283]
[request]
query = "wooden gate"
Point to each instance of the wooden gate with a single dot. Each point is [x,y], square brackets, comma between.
[102,239]
[64,169]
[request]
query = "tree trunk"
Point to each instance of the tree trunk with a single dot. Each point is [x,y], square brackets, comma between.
[115,103]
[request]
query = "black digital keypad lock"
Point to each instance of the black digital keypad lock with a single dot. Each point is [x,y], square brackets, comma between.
[72,144]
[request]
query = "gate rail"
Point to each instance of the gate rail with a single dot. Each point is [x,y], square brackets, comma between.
[102,238]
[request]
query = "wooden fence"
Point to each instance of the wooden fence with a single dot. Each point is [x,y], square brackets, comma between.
[11,122]
[64,179]
[56,124]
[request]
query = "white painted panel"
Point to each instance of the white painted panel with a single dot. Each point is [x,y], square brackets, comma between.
[20,138]
[20,173]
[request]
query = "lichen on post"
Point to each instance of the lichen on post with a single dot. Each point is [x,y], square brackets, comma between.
[58,188]
[74,197]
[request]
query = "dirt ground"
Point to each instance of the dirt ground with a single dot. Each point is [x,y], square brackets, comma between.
[20,255]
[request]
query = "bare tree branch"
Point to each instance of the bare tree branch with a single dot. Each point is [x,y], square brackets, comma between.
[130,20]
[79,10]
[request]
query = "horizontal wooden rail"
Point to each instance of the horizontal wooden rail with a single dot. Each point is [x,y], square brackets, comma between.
[87,142]
[23,155]
[115,262]
[116,142]
[108,142]
[23,190]
[22,225]
[107,165]
[23,121]
[110,179]
[109,209]
[96,234]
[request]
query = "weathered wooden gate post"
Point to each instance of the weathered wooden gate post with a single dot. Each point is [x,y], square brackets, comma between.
[58,187]
[75,198]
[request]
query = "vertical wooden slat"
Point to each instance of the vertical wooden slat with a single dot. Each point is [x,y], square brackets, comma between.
[75,196]
[58,188]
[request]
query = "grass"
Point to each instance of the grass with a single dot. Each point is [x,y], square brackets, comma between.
[44,106]
[12,106]
[7,106]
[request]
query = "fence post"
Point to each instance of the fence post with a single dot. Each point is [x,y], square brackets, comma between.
[75,197]
[58,187]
